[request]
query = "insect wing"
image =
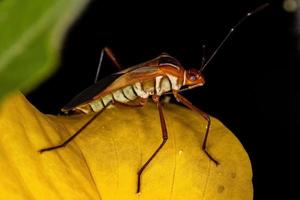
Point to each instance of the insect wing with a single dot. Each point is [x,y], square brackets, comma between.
[111,83]
[87,94]
[150,63]
[137,75]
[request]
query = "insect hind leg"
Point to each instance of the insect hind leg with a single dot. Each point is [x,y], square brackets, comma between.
[63,144]
[108,52]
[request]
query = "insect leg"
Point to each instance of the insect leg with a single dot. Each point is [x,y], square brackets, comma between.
[188,104]
[111,56]
[165,138]
[75,134]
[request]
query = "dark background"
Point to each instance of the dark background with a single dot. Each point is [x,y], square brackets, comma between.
[251,83]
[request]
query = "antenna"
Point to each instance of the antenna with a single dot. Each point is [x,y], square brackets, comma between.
[258,9]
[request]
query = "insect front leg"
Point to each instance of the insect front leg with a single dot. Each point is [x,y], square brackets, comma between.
[188,104]
[164,136]
[63,144]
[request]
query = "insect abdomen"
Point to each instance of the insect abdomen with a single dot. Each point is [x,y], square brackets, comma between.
[123,95]
[128,94]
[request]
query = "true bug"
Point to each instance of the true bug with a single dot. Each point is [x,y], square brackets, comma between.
[132,87]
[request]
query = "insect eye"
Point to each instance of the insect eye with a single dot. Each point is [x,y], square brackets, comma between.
[192,78]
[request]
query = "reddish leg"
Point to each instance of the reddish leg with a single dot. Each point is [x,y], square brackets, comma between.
[111,56]
[188,104]
[164,136]
[63,144]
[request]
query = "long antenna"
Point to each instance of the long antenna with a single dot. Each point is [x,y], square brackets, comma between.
[231,30]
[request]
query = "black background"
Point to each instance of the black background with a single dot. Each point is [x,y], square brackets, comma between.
[251,83]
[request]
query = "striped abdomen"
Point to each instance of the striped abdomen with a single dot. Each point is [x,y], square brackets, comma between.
[130,93]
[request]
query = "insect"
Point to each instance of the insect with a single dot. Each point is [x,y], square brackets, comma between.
[133,86]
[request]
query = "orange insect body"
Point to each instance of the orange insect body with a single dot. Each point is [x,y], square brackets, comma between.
[134,85]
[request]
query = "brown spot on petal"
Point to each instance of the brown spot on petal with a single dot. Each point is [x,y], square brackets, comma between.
[221,188]
[233,175]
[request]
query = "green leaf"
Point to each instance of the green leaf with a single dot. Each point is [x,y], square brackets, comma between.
[30,38]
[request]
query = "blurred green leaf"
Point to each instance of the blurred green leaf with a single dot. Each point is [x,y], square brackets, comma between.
[31,33]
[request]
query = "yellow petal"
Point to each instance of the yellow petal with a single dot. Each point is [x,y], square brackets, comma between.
[103,161]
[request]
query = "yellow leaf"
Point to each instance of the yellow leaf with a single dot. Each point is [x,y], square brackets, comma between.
[102,162]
